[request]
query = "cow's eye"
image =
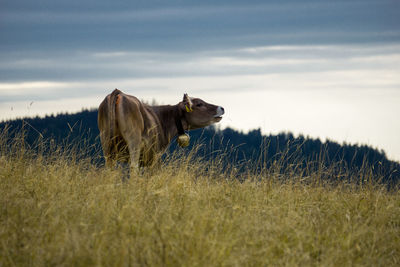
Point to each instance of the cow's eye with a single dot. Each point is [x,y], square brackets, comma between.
[199,105]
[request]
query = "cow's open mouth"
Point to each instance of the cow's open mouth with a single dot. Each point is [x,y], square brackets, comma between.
[220,112]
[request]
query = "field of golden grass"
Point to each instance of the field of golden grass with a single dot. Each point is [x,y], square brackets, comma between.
[56,210]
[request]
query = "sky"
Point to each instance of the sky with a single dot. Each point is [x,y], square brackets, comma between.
[327,69]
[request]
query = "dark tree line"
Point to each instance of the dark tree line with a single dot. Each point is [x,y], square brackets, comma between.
[249,151]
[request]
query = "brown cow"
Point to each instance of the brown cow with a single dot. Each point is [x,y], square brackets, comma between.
[131,131]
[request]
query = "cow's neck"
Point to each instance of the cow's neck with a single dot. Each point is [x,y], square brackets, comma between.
[172,121]
[179,125]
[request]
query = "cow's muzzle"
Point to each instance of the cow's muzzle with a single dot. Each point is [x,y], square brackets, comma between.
[220,112]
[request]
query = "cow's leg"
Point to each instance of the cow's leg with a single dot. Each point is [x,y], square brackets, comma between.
[131,126]
[105,140]
[132,135]
[133,142]
[109,162]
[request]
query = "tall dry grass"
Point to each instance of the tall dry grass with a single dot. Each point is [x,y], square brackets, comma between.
[57,209]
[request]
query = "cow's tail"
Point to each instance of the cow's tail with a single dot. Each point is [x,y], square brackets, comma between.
[113,121]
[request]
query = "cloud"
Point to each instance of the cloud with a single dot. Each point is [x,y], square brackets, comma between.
[177,25]
[115,65]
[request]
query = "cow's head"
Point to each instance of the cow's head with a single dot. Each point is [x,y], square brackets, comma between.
[199,113]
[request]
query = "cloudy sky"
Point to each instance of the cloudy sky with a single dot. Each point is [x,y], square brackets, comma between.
[322,68]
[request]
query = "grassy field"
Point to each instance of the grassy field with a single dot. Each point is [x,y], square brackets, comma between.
[56,210]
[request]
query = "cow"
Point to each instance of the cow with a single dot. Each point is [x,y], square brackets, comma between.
[136,133]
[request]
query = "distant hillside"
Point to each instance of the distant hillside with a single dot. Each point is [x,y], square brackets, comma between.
[252,151]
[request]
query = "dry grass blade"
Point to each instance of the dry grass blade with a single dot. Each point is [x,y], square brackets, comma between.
[59,209]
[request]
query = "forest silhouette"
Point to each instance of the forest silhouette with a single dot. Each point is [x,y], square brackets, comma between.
[250,151]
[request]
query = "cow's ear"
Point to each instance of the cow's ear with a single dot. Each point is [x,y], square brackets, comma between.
[186,98]
[187,102]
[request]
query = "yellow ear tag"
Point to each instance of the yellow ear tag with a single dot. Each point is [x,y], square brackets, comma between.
[188,109]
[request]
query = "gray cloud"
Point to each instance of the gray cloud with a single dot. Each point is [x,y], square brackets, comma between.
[105,65]
[90,73]
[97,40]
[193,25]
